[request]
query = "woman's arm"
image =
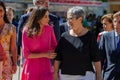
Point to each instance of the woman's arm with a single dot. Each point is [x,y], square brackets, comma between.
[41,55]
[56,69]
[14,49]
[98,70]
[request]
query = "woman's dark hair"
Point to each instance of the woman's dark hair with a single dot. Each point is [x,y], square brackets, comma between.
[4,8]
[32,24]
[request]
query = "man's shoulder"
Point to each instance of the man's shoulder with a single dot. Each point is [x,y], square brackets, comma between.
[53,16]
[25,15]
[63,24]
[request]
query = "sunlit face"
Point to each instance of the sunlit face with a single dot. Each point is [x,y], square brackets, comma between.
[45,19]
[116,23]
[10,15]
[2,12]
[72,21]
[44,3]
[106,24]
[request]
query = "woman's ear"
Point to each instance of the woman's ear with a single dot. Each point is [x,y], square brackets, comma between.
[80,19]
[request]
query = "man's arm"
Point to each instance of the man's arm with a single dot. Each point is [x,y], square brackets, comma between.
[22,21]
[54,21]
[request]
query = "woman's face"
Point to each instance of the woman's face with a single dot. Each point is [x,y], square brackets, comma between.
[72,21]
[10,15]
[106,24]
[45,19]
[1,13]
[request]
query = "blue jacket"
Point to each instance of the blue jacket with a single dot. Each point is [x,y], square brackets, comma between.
[63,27]
[109,56]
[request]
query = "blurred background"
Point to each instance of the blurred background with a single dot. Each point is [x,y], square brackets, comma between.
[59,7]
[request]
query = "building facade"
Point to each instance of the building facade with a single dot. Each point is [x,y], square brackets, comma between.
[60,6]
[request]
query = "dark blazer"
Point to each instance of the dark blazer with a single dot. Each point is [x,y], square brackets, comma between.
[109,56]
[64,27]
[21,23]
[14,22]
[54,21]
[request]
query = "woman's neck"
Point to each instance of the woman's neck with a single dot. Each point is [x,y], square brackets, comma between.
[2,23]
[109,28]
[79,32]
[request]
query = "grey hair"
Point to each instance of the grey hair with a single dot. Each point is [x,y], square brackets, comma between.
[34,1]
[77,12]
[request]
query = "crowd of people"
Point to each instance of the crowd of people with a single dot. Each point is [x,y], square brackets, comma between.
[54,51]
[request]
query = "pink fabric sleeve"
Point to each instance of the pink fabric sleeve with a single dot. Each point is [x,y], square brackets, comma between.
[53,40]
[25,47]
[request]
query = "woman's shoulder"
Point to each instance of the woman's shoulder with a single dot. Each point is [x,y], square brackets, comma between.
[25,28]
[10,26]
[90,34]
[48,27]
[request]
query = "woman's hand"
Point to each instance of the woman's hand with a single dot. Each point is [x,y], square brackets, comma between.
[98,77]
[55,76]
[51,55]
[14,69]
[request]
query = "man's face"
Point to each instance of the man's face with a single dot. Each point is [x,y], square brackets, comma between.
[44,3]
[116,23]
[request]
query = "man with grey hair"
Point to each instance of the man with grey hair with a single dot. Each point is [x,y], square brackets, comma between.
[77,50]
[54,21]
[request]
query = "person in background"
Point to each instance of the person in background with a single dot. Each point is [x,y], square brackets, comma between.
[98,25]
[28,10]
[76,50]
[106,20]
[8,45]
[64,27]
[54,22]
[109,46]
[10,16]
[38,42]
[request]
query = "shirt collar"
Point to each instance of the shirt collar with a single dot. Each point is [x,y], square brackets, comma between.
[116,34]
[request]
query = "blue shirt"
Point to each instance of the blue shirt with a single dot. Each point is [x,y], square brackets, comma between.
[117,38]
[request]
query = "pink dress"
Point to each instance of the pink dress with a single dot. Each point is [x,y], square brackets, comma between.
[38,68]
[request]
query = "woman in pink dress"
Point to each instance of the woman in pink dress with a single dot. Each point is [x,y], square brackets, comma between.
[39,42]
